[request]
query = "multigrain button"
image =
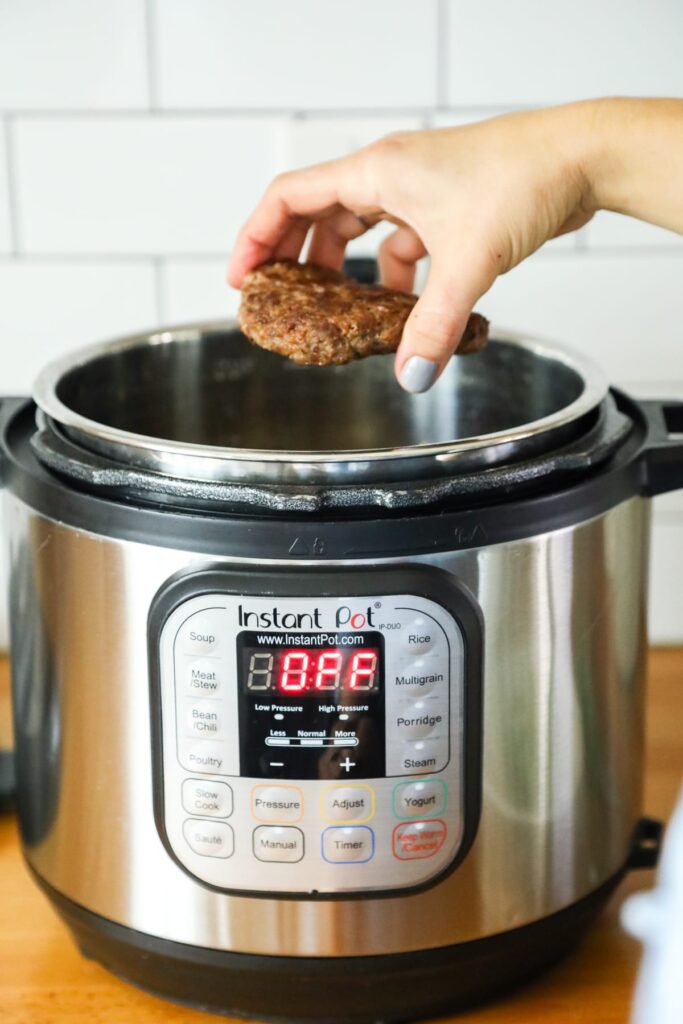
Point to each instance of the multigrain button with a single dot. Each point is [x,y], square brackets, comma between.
[278,843]
[416,799]
[418,677]
[277,803]
[416,840]
[207,799]
[348,803]
[204,677]
[350,844]
[205,757]
[209,838]
[204,719]
[418,719]
[200,634]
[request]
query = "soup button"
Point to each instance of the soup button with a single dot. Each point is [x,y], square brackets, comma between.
[416,840]
[201,633]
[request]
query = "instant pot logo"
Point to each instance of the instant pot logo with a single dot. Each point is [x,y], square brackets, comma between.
[276,618]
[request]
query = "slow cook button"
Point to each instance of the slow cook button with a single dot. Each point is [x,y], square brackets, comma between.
[278,843]
[415,799]
[200,634]
[417,720]
[420,676]
[204,678]
[348,844]
[209,838]
[277,803]
[423,756]
[205,757]
[348,803]
[208,799]
[416,840]
[204,719]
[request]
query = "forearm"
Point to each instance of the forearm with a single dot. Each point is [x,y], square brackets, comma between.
[633,158]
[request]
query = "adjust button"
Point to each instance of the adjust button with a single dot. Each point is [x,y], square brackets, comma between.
[419,719]
[415,799]
[278,843]
[415,840]
[348,803]
[348,844]
[201,633]
[207,799]
[209,838]
[277,803]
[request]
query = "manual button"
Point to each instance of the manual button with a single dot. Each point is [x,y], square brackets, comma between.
[209,838]
[280,843]
[207,799]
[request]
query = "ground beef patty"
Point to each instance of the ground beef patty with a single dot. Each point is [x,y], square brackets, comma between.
[318,316]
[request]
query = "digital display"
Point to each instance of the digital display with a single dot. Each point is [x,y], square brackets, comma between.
[296,671]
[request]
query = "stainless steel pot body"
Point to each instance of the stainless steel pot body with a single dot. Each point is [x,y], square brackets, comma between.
[564,616]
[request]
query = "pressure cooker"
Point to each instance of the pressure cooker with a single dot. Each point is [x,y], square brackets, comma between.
[328,698]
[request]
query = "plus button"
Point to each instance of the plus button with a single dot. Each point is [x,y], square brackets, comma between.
[348,764]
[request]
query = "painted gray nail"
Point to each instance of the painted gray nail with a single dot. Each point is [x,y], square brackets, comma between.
[418,374]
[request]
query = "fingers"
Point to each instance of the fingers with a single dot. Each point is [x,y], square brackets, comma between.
[438,320]
[292,242]
[312,193]
[330,237]
[398,256]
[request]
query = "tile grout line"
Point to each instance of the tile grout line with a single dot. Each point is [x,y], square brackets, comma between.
[442,69]
[151,55]
[12,196]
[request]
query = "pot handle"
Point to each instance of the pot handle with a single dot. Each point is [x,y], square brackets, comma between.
[663,452]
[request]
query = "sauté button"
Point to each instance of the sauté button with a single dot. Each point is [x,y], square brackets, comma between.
[419,719]
[204,719]
[209,838]
[204,678]
[348,803]
[204,756]
[208,799]
[351,844]
[415,840]
[277,803]
[415,799]
[201,633]
[278,843]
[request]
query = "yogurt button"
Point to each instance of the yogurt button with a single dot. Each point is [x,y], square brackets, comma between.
[419,719]
[209,838]
[201,633]
[418,799]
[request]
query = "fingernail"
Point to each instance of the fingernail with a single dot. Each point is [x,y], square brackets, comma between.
[418,374]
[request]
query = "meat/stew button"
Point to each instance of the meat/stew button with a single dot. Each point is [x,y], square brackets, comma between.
[414,840]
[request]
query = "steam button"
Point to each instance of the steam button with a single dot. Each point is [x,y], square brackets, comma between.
[209,838]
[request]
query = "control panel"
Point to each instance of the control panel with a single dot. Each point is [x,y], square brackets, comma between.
[310,744]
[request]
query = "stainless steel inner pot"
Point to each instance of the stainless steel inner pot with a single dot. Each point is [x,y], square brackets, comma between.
[202,403]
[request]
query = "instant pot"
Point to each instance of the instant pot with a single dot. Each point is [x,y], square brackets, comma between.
[329,698]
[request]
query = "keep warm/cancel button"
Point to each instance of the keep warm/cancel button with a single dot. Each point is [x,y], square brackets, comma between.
[414,840]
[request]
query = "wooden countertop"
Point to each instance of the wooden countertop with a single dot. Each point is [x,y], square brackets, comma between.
[44,980]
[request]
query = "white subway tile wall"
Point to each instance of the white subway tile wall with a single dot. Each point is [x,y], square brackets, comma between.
[135,137]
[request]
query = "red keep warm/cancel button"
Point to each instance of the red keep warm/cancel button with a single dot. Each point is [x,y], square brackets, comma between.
[413,840]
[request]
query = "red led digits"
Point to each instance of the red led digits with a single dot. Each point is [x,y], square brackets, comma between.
[329,670]
[294,673]
[363,668]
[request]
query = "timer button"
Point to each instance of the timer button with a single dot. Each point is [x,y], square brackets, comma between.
[203,718]
[201,633]
[348,844]
[415,840]
[419,719]
[207,799]
[278,843]
[203,678]
[415,799]
[209,838]
[348,803]
[277,803]
[418,636]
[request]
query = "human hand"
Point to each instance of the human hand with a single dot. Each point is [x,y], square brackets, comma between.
[477,199]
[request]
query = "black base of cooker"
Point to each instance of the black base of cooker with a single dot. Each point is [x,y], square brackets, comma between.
[372,989]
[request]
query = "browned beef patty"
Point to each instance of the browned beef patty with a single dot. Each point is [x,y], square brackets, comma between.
[318,316]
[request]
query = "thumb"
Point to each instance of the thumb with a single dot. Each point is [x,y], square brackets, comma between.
[438,321]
